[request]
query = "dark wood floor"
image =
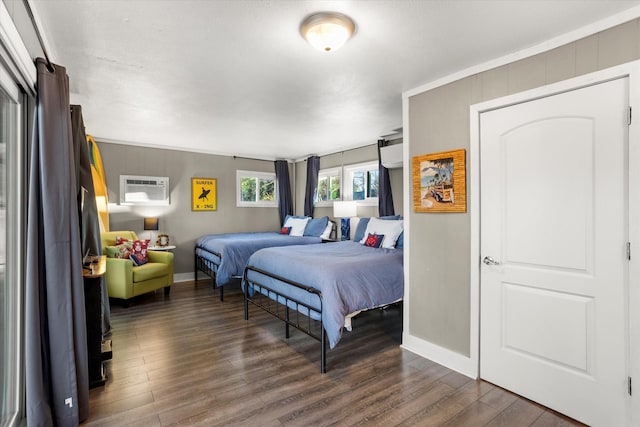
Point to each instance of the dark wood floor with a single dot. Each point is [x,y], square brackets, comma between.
[189,359]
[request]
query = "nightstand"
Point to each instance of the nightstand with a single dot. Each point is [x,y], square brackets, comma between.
[161,248]
[98,350]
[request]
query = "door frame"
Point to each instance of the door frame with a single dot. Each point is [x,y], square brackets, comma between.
[632,312]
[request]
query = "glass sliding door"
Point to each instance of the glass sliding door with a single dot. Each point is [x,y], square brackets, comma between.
[12,238]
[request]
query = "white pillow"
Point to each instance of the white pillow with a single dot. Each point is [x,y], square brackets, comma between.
[297,225]
[327,231]
[389,227]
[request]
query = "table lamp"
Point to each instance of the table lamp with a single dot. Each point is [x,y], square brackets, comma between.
[345,210]
[151,224]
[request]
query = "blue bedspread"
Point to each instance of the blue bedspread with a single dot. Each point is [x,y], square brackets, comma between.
[351,277]
[236,248]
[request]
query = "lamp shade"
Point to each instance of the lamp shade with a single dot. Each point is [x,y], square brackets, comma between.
[345,209]
[151,223]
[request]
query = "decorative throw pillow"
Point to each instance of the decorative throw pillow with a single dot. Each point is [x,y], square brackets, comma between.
[121,240]
[326,234]
[316,226]
[360,229]
[138,259]
[285,230]
[374,240]
[119,251]
[390,228]
[139,249]
[297,225]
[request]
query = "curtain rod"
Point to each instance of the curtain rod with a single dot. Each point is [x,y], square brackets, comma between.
[27,6]
[349,149]
[252,158]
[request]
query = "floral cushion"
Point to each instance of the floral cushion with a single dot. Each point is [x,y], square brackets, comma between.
[140,251]
[121,240]
[122,250]
[137,248]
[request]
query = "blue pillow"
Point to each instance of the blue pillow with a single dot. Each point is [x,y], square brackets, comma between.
[400,241]
[360,229]
[362,226]
[315,227]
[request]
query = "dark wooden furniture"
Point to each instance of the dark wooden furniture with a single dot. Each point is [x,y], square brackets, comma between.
[97,350]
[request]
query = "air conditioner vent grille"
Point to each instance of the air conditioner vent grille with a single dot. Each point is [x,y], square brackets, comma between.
[144,190]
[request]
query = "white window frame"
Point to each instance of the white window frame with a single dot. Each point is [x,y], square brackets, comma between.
[12,259]
[327,173]
[347,182]
[258,203]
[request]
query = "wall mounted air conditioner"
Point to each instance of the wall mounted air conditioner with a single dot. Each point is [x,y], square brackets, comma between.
[144,190]
[391,156]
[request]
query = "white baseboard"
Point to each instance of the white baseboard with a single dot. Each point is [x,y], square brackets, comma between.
[188,277]
[440,355]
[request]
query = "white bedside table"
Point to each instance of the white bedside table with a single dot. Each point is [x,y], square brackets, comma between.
[161,248]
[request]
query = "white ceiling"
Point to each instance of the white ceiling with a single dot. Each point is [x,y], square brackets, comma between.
[235,77]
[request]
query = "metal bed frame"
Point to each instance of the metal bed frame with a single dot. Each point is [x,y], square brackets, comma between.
[263,297]
[208,267]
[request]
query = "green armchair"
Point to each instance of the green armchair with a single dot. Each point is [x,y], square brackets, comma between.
[125,280]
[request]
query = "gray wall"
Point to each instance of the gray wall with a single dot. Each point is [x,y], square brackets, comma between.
[359,155]
[177,220]
[438,121]
[184,226]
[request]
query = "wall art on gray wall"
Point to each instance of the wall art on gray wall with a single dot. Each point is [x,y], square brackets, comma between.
[439,182]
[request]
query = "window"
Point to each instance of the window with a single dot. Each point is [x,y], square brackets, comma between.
[256,189]
[361,182]
[12,226]
[328,186]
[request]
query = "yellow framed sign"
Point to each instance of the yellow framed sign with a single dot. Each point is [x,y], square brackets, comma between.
[203,194]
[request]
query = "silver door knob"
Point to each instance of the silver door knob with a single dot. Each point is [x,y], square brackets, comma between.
[490,261]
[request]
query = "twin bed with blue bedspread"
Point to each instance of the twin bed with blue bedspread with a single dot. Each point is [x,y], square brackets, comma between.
[223,257]
[324,284]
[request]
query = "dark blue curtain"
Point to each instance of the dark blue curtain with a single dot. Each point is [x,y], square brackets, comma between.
[57,383]
[313,167]
[385,197]
[285,205]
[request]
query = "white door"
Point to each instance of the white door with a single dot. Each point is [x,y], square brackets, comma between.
[553,232]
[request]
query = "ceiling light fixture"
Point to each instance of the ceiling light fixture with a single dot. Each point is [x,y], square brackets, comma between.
[327,31]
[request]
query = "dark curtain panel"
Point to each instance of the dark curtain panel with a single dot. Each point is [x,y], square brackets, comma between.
[385,198]
[313,167]
[87,208]
[285,204]
[57,384]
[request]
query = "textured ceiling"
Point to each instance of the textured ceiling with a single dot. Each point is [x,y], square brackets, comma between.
[234,77]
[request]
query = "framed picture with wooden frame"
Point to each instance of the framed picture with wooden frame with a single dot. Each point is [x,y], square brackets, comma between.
[439,182]
[203,194]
